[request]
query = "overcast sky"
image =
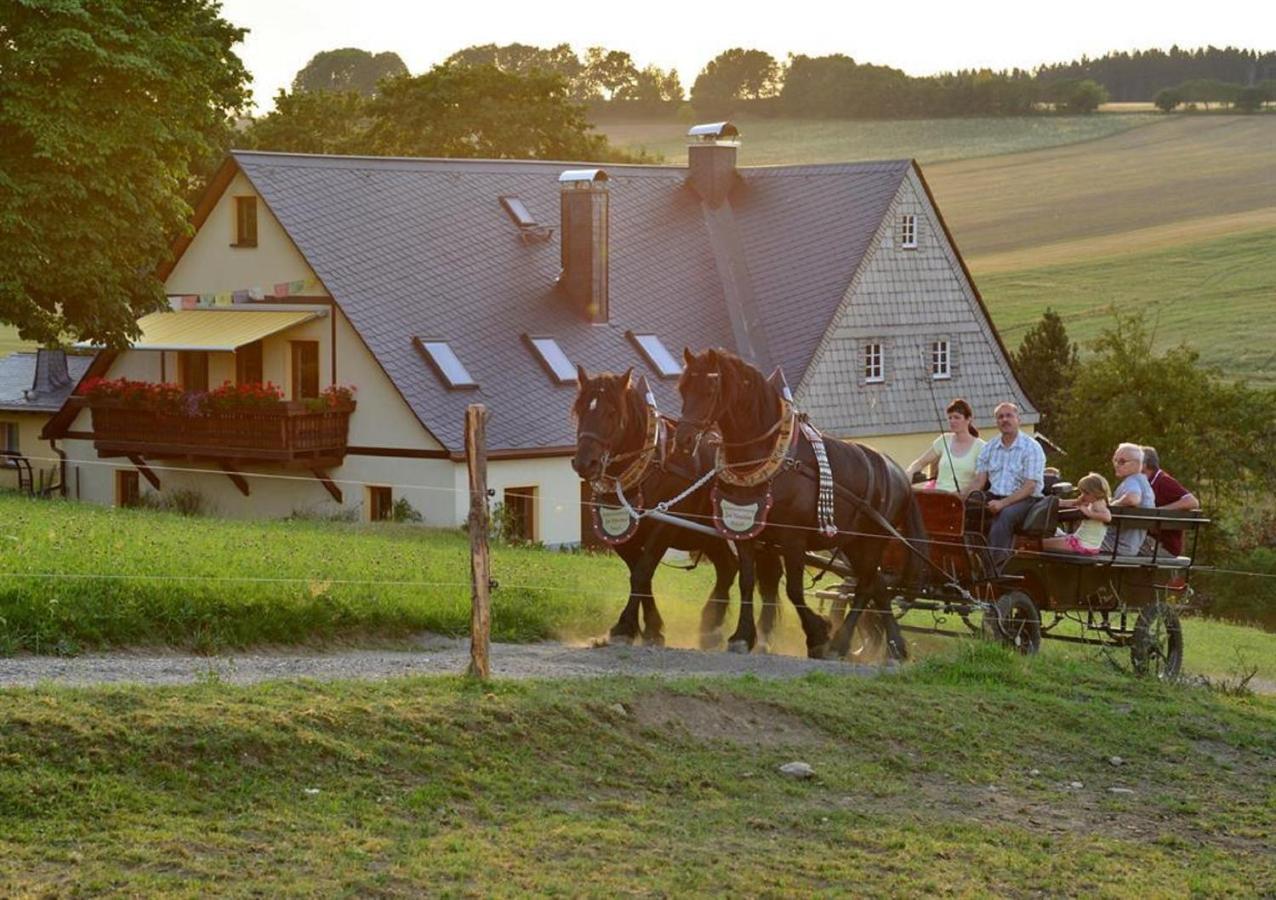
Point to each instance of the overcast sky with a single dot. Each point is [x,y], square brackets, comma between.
[921,37]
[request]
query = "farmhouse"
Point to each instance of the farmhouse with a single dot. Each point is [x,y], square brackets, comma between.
[427,285]
[33,386]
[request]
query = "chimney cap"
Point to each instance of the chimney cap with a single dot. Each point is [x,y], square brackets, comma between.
[714,131]
[582,177]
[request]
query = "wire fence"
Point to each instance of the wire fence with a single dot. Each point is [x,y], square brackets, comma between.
[562,502]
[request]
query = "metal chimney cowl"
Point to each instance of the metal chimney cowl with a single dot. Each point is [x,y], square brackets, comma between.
[585,236]
[711,157]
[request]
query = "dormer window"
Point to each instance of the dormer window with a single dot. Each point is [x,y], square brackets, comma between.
[654,352]
[245,222]
[552,359]
[908,231]
[445,363]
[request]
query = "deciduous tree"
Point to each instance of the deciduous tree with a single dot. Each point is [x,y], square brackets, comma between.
[311,122]
[106,109]
[348,69]
[736,74]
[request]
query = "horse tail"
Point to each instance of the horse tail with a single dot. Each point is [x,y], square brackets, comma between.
[915,532]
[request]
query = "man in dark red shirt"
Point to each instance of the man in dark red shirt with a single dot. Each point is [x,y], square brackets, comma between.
[1169,495]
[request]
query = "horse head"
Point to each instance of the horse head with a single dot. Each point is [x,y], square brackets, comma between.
[701,389]
[602,418]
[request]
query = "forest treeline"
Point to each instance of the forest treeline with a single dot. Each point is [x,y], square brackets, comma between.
[610,84]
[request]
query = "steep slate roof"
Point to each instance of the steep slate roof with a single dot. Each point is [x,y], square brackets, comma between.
[422,247]
[17,373]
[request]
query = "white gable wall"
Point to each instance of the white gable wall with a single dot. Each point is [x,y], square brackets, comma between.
[904,299]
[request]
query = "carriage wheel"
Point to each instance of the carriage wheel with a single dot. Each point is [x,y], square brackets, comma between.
[1157,648]
[1014,621]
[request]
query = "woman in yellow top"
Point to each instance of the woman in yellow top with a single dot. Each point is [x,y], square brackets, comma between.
[955,452]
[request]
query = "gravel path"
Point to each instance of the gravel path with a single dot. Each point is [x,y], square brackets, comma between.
[434,656]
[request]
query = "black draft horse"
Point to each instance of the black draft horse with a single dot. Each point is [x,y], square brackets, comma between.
[612,432]
[719,388]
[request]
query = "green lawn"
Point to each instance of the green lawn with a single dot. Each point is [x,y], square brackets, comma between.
[76,576]
[768,142]
[976,774]
[1216,297]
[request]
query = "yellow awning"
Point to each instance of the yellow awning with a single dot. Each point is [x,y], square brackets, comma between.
[214,329]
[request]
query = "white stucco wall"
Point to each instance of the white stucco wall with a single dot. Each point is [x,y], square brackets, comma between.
[39,453]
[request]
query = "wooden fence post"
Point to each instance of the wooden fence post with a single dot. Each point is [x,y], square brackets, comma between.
[480,561]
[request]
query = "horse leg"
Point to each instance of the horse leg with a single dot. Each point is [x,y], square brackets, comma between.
[769,587]
[745,635]
[625,631]
[865,593]
[814,625]
[640,585]
[715,608]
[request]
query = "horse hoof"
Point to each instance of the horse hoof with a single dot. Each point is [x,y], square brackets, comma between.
[620,638]
[710,640]
[819,651]
[762,646]
[653,640]
[738,647]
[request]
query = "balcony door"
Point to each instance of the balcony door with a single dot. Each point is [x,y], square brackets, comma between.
[305,369]
[192,369]
[248,365]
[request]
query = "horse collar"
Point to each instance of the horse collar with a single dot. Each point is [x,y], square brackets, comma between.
[765,469]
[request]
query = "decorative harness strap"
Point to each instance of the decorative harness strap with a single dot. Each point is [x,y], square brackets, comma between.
[765,469]
[824,504]
[633,474]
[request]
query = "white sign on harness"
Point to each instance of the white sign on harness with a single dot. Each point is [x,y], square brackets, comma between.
[614,520]
[738,518]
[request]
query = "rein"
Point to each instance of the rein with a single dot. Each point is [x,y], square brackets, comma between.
[642,457]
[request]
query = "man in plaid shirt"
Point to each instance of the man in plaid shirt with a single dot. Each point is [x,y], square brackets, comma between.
[1010,471]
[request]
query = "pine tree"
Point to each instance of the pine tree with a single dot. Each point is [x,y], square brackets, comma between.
[1046,363]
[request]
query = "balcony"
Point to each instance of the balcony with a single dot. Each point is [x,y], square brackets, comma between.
[288,433]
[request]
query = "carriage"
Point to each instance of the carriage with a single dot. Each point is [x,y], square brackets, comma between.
[1108,599]
[781,491]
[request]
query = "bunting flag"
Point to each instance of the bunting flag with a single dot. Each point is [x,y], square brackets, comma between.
[224,298]
[257,292]
[296,287]
[189,301]
[281,289]
[205,300]
[245,295]
[239,297]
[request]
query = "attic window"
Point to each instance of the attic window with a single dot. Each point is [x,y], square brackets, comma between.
[445,364]
[528,228]
[654,352]
[245,222]
[874,372]
[908,231]
[552,358]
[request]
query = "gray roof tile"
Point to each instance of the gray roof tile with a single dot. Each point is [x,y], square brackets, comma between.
[17,372]
[422,247]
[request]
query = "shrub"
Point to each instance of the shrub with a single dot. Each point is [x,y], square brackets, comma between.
[403,511]
[183,502]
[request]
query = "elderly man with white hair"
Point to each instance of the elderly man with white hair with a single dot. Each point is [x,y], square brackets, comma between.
[1134,490]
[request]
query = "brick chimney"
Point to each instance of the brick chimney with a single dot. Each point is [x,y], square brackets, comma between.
[584,235]
[711,157]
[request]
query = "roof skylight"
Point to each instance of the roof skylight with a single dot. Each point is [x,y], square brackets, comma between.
[519,212]
[552,357]
[654,352]
[445,363]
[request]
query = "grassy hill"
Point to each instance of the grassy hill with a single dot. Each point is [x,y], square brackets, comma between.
[770,142]
[9,341]
[977,774]
[1216,296]
[1183,180]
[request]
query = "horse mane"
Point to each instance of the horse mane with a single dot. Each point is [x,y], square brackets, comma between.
[745,390]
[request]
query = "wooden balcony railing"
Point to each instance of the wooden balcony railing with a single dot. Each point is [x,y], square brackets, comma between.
[288,432]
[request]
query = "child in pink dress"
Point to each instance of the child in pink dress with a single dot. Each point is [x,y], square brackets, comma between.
[1093,504]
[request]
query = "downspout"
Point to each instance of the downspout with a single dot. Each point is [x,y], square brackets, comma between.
[61,466]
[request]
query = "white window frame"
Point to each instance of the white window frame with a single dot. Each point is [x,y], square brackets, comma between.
[941,360]
[874,362]
[908,231]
